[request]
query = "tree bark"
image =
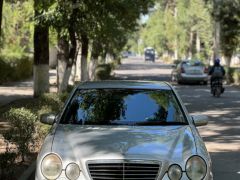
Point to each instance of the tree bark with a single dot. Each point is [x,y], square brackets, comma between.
[63,54]
[190,50]
[228,63]
[198,44]
[176,38]
[96,49]
[1,9]
[84,63]
[70,60]
[217,33]
[41,57]
[69,54]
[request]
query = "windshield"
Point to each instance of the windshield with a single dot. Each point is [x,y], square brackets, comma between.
[123,107]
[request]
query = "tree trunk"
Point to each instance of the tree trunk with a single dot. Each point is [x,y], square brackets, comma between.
[190,51]
[62,68]
[198,44]
[176,38]
[41,57]
[96,48]
[1,9]
[71,80]
[74,68]
[217,33]
[84,63]
[228,73]
[70,60]
[104,56]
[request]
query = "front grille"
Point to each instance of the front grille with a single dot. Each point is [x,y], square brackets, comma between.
[124,170]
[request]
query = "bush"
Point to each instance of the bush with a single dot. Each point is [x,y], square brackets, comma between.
[22,123]
[167,59]
[15,68]
[236,76]
[34,108]
[103,71]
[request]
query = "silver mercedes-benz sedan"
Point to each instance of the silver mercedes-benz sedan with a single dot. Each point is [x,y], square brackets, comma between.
[124,130]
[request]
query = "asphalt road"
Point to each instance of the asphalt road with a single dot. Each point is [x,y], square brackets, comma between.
[222,134]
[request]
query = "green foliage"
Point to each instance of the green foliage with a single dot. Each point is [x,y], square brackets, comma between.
[109,22]
[103,71]
[13,68]
[170,24]
[53,101]
[17,27]
[229,17]
[22,123]
[234,75]
[24,118]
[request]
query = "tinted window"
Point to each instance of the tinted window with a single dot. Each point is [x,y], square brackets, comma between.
[123,107]
[192,63]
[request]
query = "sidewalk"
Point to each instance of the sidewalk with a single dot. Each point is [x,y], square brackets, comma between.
[14,91]
[19,90]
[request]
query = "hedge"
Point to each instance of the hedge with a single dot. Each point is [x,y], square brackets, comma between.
[103,71]
[13,68]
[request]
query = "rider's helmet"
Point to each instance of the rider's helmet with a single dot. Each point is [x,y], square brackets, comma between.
[217,61]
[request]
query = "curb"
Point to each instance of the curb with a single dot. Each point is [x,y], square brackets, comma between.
[29,172]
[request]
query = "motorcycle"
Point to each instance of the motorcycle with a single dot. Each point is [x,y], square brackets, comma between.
[217,87]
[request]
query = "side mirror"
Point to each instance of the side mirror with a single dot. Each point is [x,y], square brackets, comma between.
[47,118]
[200,120]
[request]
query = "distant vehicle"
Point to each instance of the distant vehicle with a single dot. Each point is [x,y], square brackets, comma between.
[124,54]
[190,71]
[127,54]
[149,54]
[101,135]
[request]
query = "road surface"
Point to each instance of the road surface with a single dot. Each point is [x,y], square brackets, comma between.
[222,134]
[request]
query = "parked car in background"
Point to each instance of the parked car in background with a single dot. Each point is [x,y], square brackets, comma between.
[149,54]
[123,130]
[124,54]
[190,71]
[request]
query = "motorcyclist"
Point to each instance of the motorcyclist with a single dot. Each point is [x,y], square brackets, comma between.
[216,72]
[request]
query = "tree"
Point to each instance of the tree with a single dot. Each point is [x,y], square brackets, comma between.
[1,8]
[41,49]
[180,28]
[229,17]
[101,25]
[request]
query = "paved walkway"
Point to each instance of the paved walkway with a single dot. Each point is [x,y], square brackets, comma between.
[14,91]
[18,90]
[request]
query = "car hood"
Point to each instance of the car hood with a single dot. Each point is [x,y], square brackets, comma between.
[76,142]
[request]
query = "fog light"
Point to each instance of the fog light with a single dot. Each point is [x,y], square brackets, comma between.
[72,171]
[174,172]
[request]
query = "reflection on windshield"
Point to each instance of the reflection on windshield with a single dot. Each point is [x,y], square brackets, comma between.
[123,107]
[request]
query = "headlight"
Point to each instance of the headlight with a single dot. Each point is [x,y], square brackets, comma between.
[196,168]
[72,171]
[174,172]
[51,166]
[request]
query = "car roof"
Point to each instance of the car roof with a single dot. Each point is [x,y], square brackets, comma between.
[123,84]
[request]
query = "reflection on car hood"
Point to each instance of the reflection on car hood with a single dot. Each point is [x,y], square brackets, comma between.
[117,142]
